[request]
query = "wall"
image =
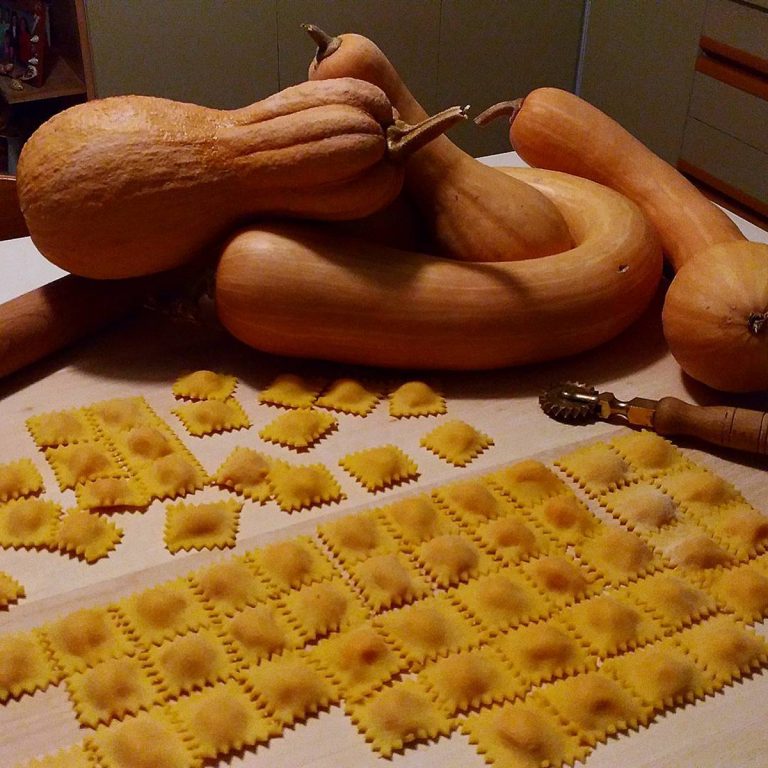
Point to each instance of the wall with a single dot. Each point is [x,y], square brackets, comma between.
[227,54]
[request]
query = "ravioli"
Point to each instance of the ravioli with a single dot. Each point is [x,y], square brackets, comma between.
[388,580]
[112,493]
[87,535]
[292,563]
[25,666]
[559,577]
[172,476]
[122,413]
[618,555]
[527,481]
[80,462]
[456,442]
[245,471]
[472,502]
[296,487]
[565,518]
[28,523]
[204,385]
[596,467]
[741,529]
[290,391]
[648,452]
[19,479]
[416,398]
[299,429]
[11,591]
[49,430]
[357,537]
[229,586]
[743,591]
[209,417]
[511,540]
[211,525]
[380,467]
[641,507]
[451,559]
[260,632]
[416,519]
[348,396]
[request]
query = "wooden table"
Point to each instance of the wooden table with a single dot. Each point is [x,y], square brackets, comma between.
[147,354]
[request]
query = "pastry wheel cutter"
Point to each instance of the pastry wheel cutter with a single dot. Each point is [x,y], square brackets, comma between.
[739,428]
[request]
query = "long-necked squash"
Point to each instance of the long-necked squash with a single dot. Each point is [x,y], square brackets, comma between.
[715,312]
[473,212]
[303,291]
[131,185]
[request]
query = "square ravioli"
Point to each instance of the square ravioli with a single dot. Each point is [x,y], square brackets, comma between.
[11,591]
[594,704]
[111,690]
[642,507]
[416,519]
[245,471]
[259,632]
[501,600]
[527,482]
[29,523]
[470,679]
[19,479]
[348,396]
[512,539]
[380,467]
[211,525]
[162,612]
[560,578]
[456,442]
[357,537]
[302,486]
[398,715]
[290,687]
[415,398]
[80,462]
[740,528]
[690,549]
[189,662]
[565,518]
[522,735]
[698,490]
[541,652]
[388,580]
[451,559]
[121,414]
[147,739]
[617,555]
[292,563]
[72,757]
[596,467]
[145,443]
[25,665]
[204,385]
[289,390]
[427,629]
[60,428]
[229,586]
[112,493]
[742,591]
[87,535]
[359,660]
[322,608]
[471,502]
[299,428]
[209,417]
[648,452]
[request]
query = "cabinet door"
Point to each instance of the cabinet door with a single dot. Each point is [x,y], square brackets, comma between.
[638,66]
[205,51]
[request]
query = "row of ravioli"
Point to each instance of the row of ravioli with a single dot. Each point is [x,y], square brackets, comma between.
[507,583]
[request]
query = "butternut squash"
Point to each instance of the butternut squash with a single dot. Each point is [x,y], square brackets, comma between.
[472,211]
[132,185]
[715,312]
[303,291]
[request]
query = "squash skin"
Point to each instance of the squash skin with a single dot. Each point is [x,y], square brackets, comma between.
[715,317]
[473,212]
[131,185]
[304,292]
[558,130]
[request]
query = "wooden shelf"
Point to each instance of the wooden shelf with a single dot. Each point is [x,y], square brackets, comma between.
[61,81]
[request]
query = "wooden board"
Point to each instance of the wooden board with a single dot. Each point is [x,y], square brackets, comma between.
[145,357]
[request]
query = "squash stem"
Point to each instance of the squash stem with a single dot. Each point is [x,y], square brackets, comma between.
[507,108]
[326,44]
[758,322]
[404,139]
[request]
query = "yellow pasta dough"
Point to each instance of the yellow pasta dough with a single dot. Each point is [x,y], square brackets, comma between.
[457,442]
[229,586]
[110,690]
[648,452]
[472,502]
[398,715]
[204,385]
[617,555]
[357,537]
[29,522]
[743,590]
[380,467]
[697,489]
[641,507]
[60,427]
[451,558]
[740,528]
[690,548]
[541,651]
[416,519]
[511,539]
[163,611]
[19,478]
[174,475]
[300,428]
[211,525]
[290,688]
[290,391]
[388,580]
[559,578]
[416,398]
[501,600]
[123,413]
[72,757]
[260,632]
[11,591]
[223,719]
[358,659]
[302,486]
[596,467]
[148,740]
[87,535]
[146,443]
[80,462]
[208,417]
[290,564]
[522,735]
[189,662]
[565,518]
[112,492]
[527,482]
[25,666]
[348,396]
[245,471]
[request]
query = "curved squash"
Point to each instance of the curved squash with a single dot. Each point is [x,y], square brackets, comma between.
[301,291]
[130,185]
[473,212]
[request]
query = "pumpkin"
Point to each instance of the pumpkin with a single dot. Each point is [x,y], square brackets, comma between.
[132,185]
[716,307]
[304,291]
[472,211]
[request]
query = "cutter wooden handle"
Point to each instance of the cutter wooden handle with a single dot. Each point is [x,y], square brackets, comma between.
[738,428]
